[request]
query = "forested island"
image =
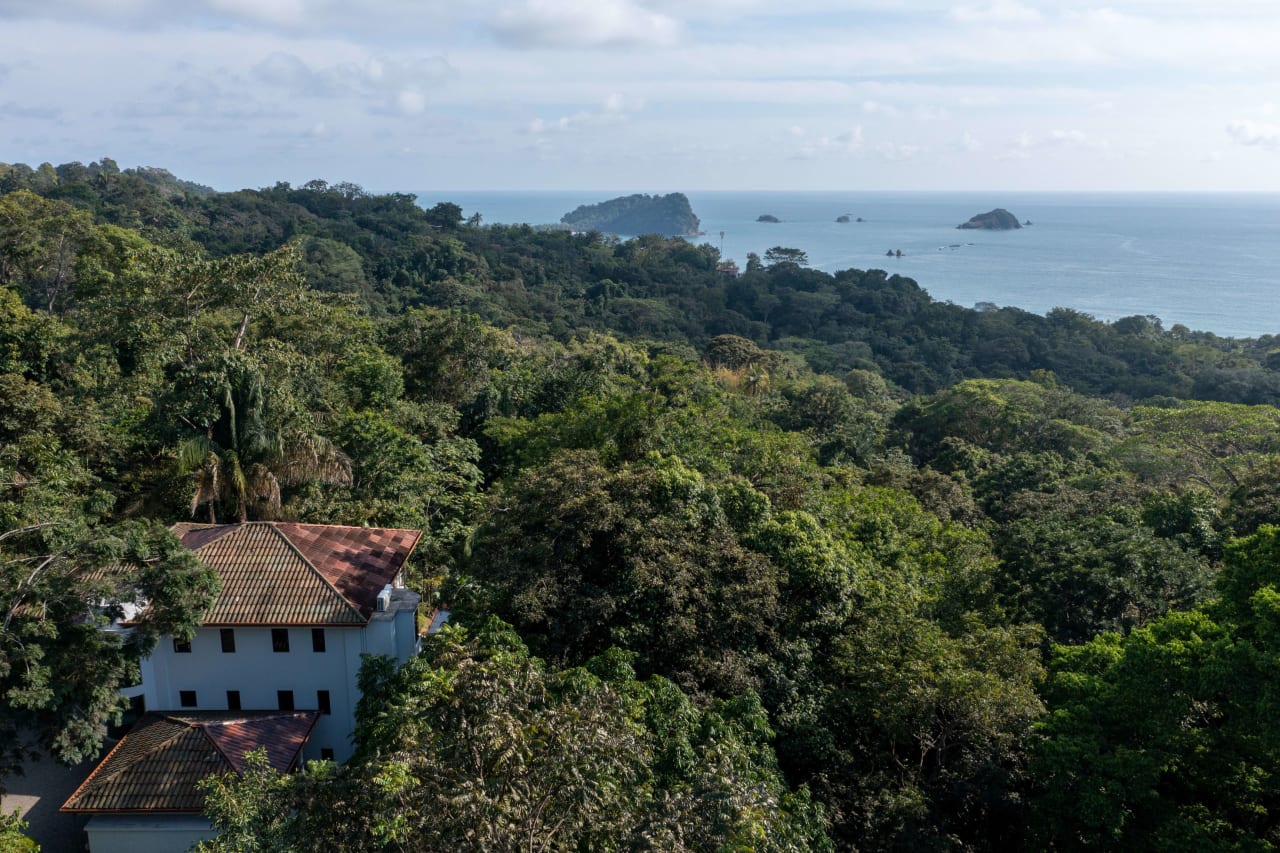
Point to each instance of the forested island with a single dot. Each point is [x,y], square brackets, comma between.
[783,561]
[993,220]
[668,215]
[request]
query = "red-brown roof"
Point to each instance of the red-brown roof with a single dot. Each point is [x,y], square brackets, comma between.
[282,573]
[157,765]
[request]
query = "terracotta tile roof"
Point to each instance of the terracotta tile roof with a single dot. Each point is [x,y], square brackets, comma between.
[156,766]
[281,573]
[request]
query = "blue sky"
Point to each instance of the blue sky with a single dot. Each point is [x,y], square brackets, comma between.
[652,94]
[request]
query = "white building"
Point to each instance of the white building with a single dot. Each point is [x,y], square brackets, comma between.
[299,605]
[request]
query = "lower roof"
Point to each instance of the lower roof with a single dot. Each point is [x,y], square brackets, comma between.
[157,765]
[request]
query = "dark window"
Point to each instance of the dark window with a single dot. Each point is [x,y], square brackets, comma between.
[322,701]
[279,639]
[326,753]
[187,698]
[284,699]
[182,647]
[233,700]
[317,639]
[228,639]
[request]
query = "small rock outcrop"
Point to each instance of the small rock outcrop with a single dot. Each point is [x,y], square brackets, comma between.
[844,218]
[767,217]
[995,220]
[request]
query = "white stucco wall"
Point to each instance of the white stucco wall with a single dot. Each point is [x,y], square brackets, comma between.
[161,833]
[258,673]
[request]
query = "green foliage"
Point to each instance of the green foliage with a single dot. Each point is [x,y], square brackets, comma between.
[476,745]
[64,582]
[669,215]
[1163,739]
[581,558]
[629,456]
[13,838]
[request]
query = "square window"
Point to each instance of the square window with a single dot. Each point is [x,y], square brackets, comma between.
[187,698]
[182,647]
[326,753]
[233,700]
[279,639]
[284,699]
[317,639]
[228,639]
[322,702]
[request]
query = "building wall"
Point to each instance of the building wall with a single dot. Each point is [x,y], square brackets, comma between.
[159,833]
[258,673]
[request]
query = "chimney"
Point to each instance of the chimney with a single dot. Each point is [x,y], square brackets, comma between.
[384,598]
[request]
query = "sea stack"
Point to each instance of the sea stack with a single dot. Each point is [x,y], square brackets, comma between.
[995,220]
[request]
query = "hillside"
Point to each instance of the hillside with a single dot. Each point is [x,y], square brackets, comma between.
[790,558]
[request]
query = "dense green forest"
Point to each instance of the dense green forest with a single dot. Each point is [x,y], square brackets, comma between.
[784,561]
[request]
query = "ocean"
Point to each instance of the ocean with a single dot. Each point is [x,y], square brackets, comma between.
[1208,261]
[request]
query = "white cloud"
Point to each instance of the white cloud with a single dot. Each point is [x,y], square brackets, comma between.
[287,12]
[1251,133]
[387,86]
[898,151]
[998,12]
[585,24]
[839,144]
[411,102]
[1058,138]
[615,108]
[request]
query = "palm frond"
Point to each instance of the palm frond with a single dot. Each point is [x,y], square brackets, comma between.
[207,482]
[310,458]
[194,451]
[262,492]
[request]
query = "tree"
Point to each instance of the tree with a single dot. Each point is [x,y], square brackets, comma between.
[444,215]
[13,838]
[476,745]
[61,583]
[780,255]
[39,243]
[1163,739]
[241,458]
[581,558]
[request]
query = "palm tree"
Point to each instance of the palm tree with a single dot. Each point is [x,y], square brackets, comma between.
[241,460]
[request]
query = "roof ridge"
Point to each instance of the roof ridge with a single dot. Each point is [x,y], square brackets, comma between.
[340,526]
[315,570]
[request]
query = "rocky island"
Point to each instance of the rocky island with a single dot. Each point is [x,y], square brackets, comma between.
[995,220]
[669,215]
[844,217]
[767,217]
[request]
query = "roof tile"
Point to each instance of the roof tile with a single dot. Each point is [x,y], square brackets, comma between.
[157,765]
[298,574]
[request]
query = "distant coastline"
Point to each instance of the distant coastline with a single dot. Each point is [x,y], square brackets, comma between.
[1109,255]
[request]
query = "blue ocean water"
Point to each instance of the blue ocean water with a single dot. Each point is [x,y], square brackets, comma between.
[1208,261]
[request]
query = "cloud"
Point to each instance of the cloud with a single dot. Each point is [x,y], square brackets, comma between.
[998,12]
[585,24]
[287,12]
[411,102]
[388,87]
[615,108]
[840,144]
[898,151]
[10,109]
[1025,142]
[1259,135]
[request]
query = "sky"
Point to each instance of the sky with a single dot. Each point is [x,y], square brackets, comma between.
[652,95]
